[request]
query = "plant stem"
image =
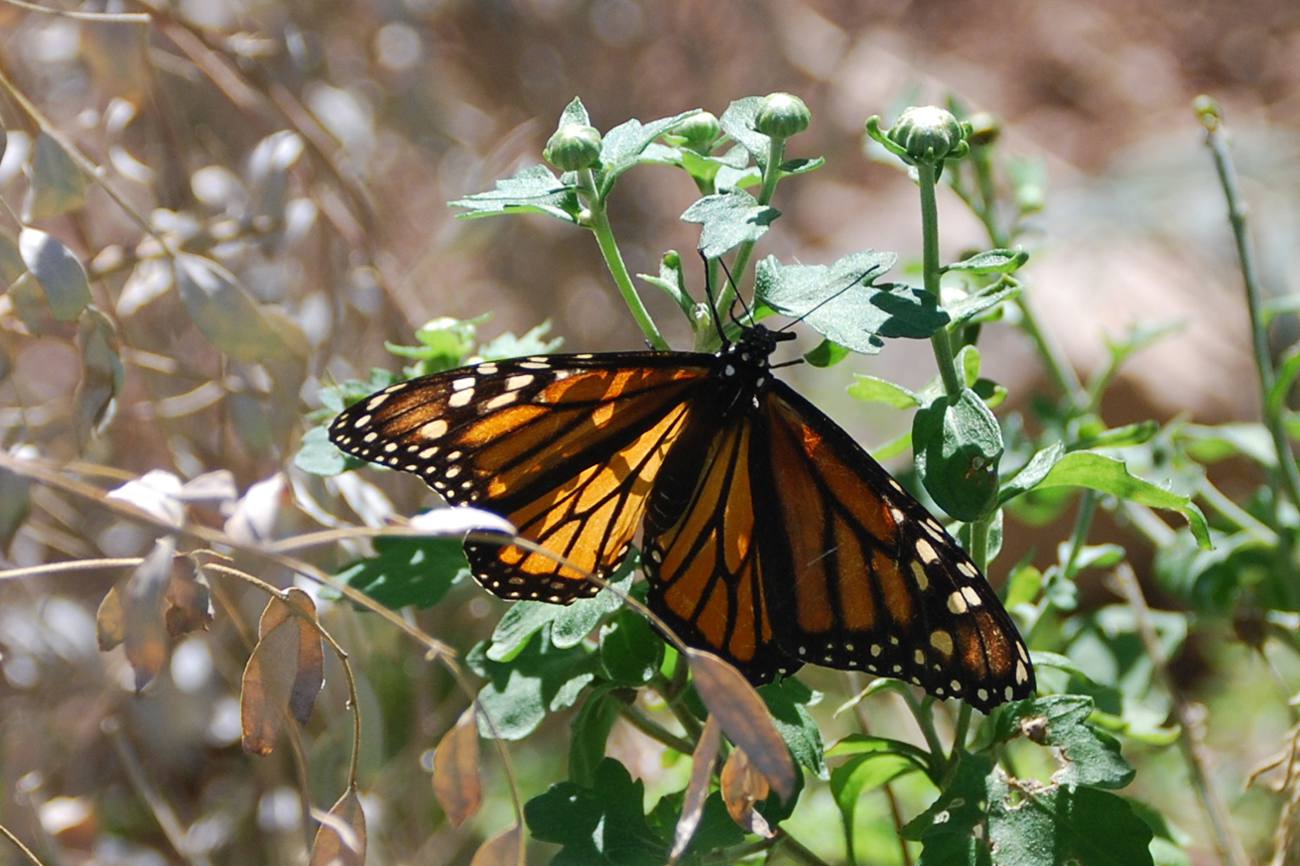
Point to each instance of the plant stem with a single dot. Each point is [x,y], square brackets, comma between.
[926,177]
[1082,523]
[1227,171]
[614,261]
[1229,846]
[653,729]
[771,175]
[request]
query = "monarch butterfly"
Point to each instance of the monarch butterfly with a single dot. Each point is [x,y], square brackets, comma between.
[768,535]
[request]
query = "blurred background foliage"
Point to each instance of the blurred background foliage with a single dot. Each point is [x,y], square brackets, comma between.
[310,147]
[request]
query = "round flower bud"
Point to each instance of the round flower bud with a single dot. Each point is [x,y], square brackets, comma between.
[574,146]
[700,130]
[782,115]
[929,134]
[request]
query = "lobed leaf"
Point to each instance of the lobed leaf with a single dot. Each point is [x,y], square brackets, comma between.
[729,220]
[534,189]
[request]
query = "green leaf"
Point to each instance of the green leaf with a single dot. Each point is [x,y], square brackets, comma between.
[534,189]
[1087,756]
[729,220]
[531,342]
[102,372]
[870,389]
[318,456]
[999,261]
[445,342]
[802,166]
[827,353]
[58,272]
[1066,827]
[874,763]
[738,123]
[962,311]
[15,497]
[788,702]
[408,571]
[1212,443]
[1107,475]
[958,445]
[832,301]
[597,824]
[622,147]
[541,678]
[590,732]
[671,281]
[630,650]
[1032,472]
[1118,437]
[225,312]
[1023,586]
[57,184]
[898,445]
[948,829]
[570,624]
[1102,556]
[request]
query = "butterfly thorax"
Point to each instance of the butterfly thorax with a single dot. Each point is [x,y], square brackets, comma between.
[744,368]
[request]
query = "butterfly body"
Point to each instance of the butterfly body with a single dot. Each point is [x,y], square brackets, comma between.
[768,535]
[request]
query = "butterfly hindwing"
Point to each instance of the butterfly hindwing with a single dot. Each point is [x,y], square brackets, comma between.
[565,447]
[864,578]
[700,551]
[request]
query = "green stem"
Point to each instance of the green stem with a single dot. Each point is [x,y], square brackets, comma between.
[771,175]
[599,224]
[925,721]
[653,729]
[1227,171]
[1226,508]
[796,850]
[926,176]
[1082,523]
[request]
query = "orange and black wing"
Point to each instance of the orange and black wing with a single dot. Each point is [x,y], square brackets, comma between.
[700,551]
[565,447]
[858,575]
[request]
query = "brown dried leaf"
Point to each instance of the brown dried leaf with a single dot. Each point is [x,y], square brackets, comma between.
[144,635]
[187,604]
[341,837]
[284,673]
[744,718]
[706,752]
[456,781]
[743,786]
[503,849]
[110,620]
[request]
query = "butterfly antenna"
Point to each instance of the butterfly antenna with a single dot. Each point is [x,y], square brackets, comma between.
[736,291]
[823,302]
[713,302]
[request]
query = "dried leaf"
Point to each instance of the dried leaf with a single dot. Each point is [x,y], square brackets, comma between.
[284,673]
[110,620]
[156,493]
[697,792]
[101,374]
[15,498]
[144,634]
[224,310]
[58,272]
[744,718]
[187,604]
[503,849]
[456,781]
[57,185]
[743,786]
[12,265]
[341,837]
[253,519]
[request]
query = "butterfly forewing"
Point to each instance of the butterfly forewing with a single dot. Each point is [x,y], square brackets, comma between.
[867,579]
[565,447]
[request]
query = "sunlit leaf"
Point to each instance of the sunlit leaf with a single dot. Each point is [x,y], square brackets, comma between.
[224,311]
[744,787]
[729,220]
[284,673]
[57,184]
[58,272]
[144,633]
[341,838]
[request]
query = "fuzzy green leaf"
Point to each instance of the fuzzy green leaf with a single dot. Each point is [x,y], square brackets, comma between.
[827,353]
[534,189]
[1066,827]
[599,824]
[991,262]
[958,445]
[1087,755]
[318,455]
[570,624]
[1032,472]
[788,702]
[623,146]
[541,678]
[962,311]
[729,220]
[870,389]
[590,732]
[408,571]
[832,302]
[630,650]
[1108,475]
[738,123]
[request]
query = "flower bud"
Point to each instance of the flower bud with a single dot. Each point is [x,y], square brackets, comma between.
[700,131]
[782,115]
[574,146]
[927,134]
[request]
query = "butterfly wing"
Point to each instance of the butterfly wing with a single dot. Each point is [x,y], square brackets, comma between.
[700,551]
[858,575]
[565,447]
